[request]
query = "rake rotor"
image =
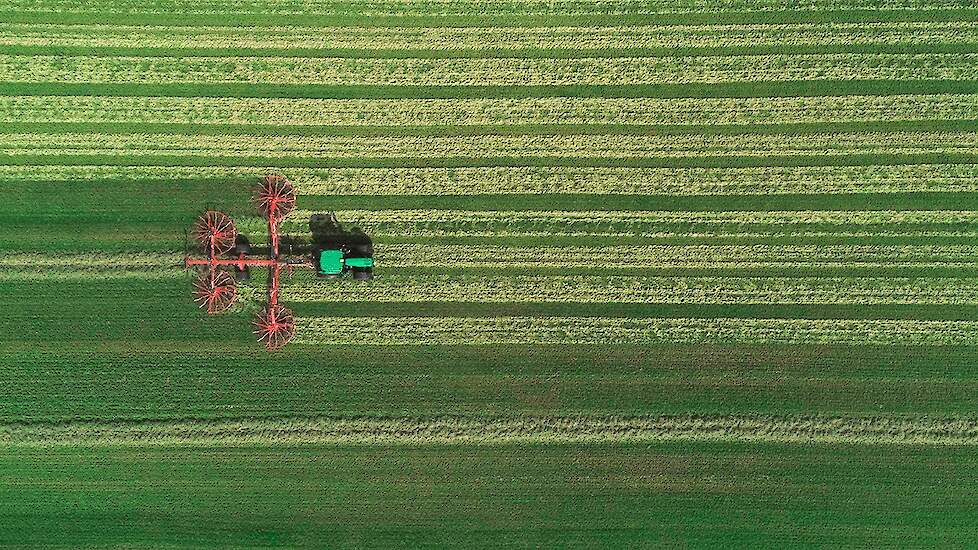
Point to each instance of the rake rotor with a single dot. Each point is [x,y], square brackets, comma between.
[215,290]
[215,232]
[274,197]
[274,326]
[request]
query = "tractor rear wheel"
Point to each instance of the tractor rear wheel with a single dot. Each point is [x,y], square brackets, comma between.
[274,326]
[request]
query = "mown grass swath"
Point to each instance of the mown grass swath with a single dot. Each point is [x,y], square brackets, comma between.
[611,182]
[360,115]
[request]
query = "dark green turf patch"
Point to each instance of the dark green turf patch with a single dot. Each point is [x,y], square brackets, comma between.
[118,201]
[676,203]
[674,494]
[95,310]
[188,378]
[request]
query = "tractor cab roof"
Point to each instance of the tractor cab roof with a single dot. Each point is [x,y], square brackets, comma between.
[331,262]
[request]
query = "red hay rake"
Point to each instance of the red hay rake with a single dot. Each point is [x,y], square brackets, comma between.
[215,289]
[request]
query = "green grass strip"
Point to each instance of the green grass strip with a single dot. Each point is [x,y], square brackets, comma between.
[39,204]
[95,309]
[797,88]
[154,379]
[677,203]
[674,494]
[922,312]
[863,362]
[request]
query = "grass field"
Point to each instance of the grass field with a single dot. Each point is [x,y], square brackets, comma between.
[649,273]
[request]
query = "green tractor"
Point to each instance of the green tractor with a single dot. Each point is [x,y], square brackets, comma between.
[337,251]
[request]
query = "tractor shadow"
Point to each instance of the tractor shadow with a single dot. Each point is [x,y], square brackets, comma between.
[327,232]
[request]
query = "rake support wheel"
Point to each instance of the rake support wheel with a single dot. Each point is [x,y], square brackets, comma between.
[215,291]
[215,232]
[274,197]
[274,326]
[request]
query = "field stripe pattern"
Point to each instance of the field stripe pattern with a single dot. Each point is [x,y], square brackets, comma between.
[673,242]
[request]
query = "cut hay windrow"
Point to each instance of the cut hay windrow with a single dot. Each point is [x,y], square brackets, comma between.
[583,39]
[646,223]
[488,72]
[476,8]
[492,146]
[486,111]
[454,430]
[395,331]
[622,289]
[544,180]
[665,256]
